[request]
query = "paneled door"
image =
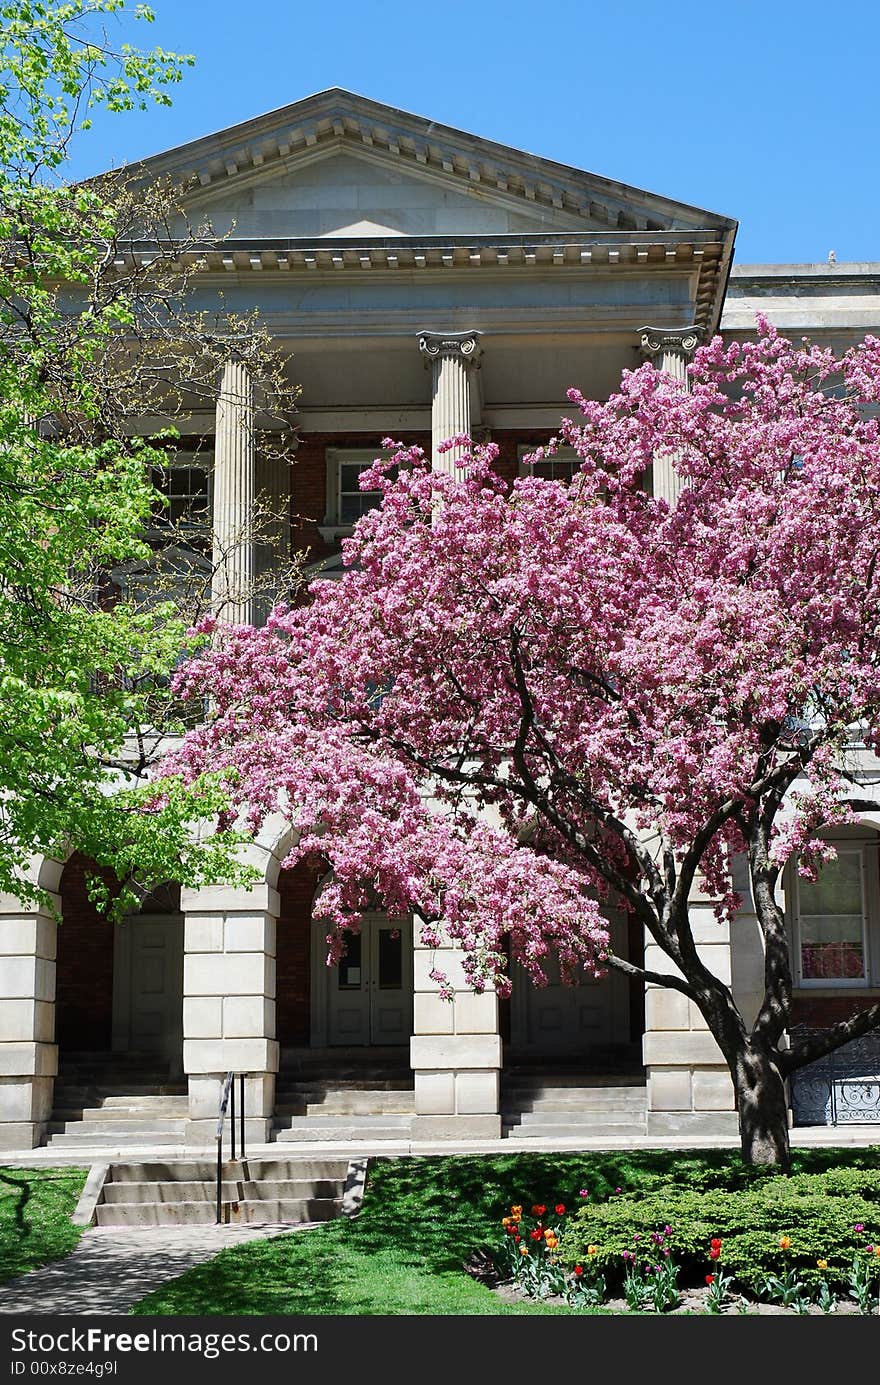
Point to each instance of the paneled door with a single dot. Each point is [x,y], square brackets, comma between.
[570,1020]
[148,985]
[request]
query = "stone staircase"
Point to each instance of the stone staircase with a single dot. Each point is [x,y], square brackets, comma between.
[340,1094]
[123,1099]
[571,1105]
[184,1193]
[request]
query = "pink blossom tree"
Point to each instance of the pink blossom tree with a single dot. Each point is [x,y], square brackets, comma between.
[521,700]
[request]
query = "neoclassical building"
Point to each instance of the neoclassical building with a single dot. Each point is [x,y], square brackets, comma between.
[423,282]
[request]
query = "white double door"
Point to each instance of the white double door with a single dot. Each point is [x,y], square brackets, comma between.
[369,995]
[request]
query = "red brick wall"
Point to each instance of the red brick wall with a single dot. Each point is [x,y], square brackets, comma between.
[309,477]
[84,980]
[821,1011]
[293,953]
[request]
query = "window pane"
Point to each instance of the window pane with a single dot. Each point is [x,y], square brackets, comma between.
[351,507]
[353,502]
[350,973]
[838,889]
[554,469]
[390,959]
[831,949]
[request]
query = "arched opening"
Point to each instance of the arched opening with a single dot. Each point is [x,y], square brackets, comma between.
[119,987]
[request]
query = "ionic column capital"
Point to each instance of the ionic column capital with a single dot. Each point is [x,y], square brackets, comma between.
[657,341]
[460,346]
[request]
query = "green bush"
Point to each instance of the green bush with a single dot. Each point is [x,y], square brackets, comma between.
[818,1212]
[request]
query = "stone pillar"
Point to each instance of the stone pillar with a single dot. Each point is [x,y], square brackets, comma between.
[455,1052]
[671,351]
[690,1091]
[273,537]
[453,356]
[229,1004]
[28,1052]
[234,496]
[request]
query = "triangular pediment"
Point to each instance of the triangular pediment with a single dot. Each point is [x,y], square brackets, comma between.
[338,190]
[341,165]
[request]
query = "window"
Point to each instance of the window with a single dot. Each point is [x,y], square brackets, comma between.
[346,502]
[837,921]
[185,485]
[560,467]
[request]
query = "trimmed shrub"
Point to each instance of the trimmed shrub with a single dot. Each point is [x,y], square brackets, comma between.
[817,1214]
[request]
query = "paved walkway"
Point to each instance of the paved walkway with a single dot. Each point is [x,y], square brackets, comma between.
[112,1269]
[802,1137]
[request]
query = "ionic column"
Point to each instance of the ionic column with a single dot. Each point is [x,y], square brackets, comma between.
[670,351]
[234,496]
[453,356]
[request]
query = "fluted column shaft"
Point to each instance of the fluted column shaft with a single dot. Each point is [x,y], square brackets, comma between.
[234,496]
[452,357]
[670,351]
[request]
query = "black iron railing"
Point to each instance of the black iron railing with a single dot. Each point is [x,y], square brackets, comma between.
[843,1088]
[227,1103]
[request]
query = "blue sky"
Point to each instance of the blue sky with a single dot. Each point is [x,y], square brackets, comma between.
[768,112]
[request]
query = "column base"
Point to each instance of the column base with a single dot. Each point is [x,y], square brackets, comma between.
[456,1127]
[202,1134]
[22,1134]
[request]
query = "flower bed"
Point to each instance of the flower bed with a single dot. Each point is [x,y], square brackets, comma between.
[809,1243]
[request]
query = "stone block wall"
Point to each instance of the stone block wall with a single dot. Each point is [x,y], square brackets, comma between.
[229,1004]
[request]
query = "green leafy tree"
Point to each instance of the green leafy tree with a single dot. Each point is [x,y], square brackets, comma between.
[96,334]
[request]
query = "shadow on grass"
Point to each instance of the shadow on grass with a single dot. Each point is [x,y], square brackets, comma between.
[36,1206]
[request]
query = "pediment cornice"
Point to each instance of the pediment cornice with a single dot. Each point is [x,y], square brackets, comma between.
[336,119]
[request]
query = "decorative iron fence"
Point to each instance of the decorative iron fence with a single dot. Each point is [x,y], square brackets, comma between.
[843,1088]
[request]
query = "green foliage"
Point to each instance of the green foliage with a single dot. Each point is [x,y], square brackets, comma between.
[83,669]
[817,1212]
[35,1210]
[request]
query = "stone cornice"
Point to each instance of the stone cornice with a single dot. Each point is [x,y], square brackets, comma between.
[698,255]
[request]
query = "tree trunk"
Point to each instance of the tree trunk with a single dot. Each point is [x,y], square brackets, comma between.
[763,1112]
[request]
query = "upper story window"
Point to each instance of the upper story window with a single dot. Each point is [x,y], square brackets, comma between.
[560,467]
[837,919]
[185,483]
[346,502]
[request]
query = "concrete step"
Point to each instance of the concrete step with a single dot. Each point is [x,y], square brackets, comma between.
[569,1117]
[533,1081]
[388,1127]
[86,1139]
[286,1168]
[147,1099]
[350,1103]
[121,1115]
[585,1102]
[137,1123]
[203,1212]
[570,1130]
[247,1190]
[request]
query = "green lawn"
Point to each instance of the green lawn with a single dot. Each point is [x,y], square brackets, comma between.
[36,1206]
[422,1218]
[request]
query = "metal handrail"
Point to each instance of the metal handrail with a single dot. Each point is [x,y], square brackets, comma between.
[227,1099]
